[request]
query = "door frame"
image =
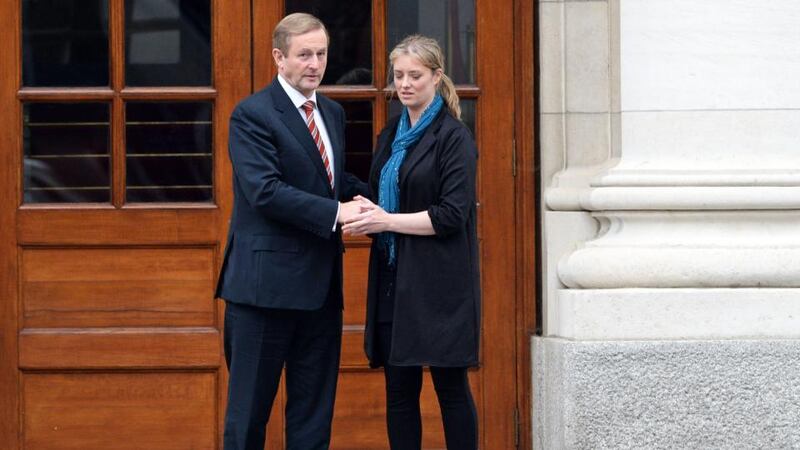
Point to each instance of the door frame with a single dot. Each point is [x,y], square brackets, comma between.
[9,162]
[527,195]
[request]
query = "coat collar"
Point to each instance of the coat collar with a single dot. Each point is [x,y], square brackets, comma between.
[290,116]
[416,153]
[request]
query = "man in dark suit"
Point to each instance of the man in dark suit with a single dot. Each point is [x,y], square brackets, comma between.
[281,276]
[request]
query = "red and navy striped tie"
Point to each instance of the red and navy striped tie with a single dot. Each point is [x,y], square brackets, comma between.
[308,107]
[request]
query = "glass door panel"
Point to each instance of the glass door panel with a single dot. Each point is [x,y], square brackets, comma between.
[168,43]
[65,43]
[169,151]
[350,28]
[66,157]
[450,22]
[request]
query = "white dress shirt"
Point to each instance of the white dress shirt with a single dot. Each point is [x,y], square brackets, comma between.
[298,99]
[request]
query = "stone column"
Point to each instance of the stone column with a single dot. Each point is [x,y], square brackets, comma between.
[670,136]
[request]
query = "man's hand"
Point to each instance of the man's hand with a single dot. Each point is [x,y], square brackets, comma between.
[349,210]
[372,219]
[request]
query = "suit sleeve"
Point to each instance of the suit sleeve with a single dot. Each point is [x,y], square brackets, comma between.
[257,171]
[352,186]
[457,168]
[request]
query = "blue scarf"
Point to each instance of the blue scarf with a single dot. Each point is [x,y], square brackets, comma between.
[388,186]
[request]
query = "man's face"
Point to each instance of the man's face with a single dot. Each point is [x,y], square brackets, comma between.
[303,64]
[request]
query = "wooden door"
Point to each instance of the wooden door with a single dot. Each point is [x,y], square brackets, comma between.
[116,193]
[477,38]
[114,203]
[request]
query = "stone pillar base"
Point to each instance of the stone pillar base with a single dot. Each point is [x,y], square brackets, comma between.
[705,394]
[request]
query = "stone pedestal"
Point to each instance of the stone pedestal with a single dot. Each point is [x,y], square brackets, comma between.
[671,225]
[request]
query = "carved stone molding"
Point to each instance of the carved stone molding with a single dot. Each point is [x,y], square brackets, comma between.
[687,249]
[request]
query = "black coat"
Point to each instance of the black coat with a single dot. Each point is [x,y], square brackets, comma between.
[282,250]
[436,319]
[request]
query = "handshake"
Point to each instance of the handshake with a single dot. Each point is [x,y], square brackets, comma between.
[360,216]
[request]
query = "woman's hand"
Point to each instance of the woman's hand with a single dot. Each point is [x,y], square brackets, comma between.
[372,219]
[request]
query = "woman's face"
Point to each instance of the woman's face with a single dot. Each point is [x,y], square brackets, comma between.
[415,83]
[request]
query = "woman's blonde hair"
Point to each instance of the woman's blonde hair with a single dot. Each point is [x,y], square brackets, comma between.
[428,52]
[294,25]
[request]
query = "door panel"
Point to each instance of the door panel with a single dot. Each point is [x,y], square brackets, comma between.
[356,260]
[138,348]
[82,411]
[102,287]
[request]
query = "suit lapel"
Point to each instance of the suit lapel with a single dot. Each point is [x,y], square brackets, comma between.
[332,127]
[294,122]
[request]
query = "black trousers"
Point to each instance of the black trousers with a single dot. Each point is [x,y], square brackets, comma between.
[403,418]
[258,343]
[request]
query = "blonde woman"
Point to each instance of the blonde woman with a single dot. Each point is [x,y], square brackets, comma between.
[423,306]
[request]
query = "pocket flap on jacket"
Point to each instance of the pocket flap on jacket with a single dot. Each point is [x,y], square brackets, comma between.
[275,243]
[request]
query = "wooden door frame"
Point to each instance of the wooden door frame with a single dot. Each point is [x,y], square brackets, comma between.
[9,195]
[496,140]
[527,194]
[233,83]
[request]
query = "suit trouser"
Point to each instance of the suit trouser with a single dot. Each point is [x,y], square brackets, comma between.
[258,342]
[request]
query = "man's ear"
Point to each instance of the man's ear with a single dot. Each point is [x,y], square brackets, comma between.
[277,55]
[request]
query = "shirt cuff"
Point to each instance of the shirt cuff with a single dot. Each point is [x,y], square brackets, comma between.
[336,220]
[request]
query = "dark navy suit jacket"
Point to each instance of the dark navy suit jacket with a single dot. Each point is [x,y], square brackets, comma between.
[282,250]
